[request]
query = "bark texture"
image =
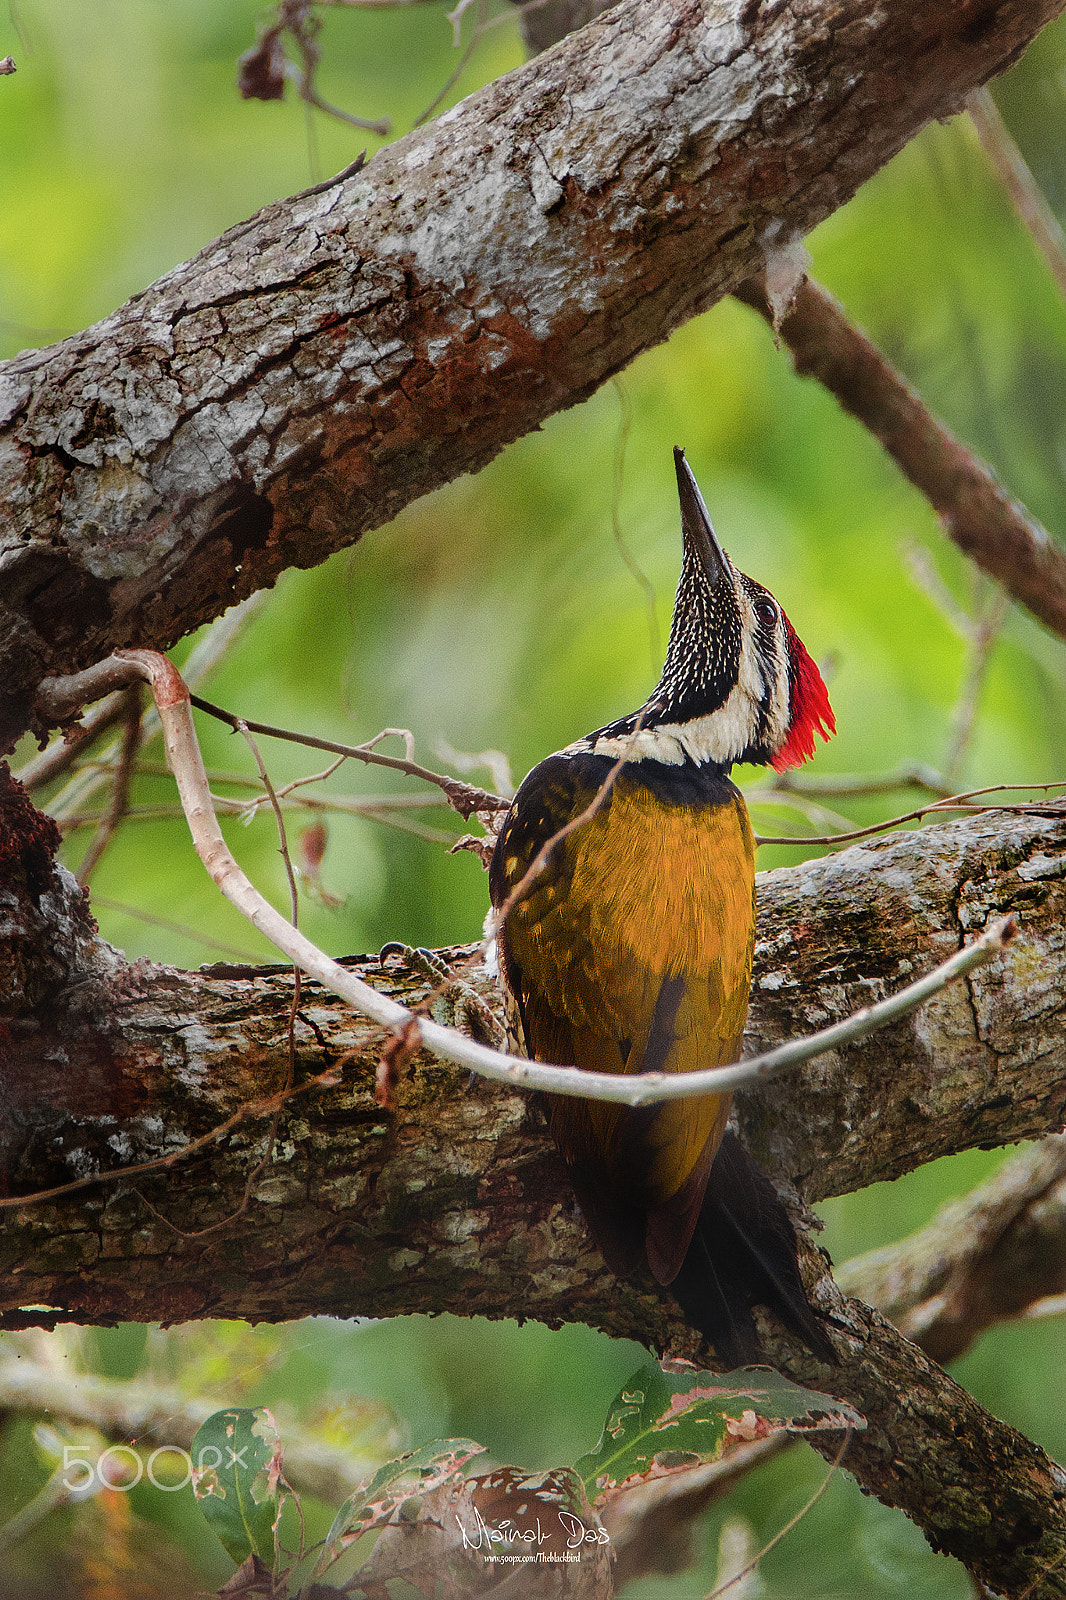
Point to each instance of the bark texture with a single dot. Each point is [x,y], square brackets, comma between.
[456,1202]
[345,351]
[982,1259]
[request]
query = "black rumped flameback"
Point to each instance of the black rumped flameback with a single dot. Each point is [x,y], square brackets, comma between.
[631,950]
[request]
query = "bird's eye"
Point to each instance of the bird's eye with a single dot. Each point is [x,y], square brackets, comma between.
[766,612]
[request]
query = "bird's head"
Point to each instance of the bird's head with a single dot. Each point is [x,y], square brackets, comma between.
[737,677]
[738,685]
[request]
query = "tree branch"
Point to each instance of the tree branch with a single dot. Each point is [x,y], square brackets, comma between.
[344,352]
[978,1490]
[984,1258]
[1022,189]
[975,510]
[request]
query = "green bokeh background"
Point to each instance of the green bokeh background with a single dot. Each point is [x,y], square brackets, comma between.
[500,613]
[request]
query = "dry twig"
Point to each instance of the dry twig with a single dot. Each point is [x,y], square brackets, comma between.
[465,798]
[1023,191]
[792,1522]
[956,803]
[265,69]
[120,787]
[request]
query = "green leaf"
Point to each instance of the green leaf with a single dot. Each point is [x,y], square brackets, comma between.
[398,1482]
[236,1470]
[665,1421]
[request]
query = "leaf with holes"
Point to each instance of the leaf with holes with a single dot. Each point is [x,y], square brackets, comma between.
[396,1488]
[668,1421]
[237,1479]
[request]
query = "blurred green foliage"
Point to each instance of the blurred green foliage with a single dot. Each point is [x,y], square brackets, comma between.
[500,613]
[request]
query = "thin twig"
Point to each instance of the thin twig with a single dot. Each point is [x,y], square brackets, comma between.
[1013,172]
[264,778]
[275,796]
[456,19]
[308,93]
[908,775]
[465,798]
[926,578]
[790,1524]
[978,627]
[343,805]
[625,422]
[495,762]
[373,802]
[297,983]
[196,935]
[66,751]
[120,786]
[953,803]
[475,39]
[985,629]
[811,810]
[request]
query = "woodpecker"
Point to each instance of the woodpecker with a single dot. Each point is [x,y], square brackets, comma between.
[631,949]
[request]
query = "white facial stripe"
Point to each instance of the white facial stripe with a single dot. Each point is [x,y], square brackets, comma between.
[749,678]
[752,665]
[779,716]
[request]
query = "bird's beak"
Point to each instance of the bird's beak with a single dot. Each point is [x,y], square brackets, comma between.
[699,536]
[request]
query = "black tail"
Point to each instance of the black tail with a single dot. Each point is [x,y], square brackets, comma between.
[743,1252]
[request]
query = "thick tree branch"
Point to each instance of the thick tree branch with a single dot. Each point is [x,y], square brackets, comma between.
[106,1064]
[979,1490]
[343,352]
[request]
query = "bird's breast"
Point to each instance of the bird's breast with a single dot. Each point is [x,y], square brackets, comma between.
[672,885]
[658,882]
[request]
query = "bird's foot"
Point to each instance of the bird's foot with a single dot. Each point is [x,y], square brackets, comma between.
[454,1004]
